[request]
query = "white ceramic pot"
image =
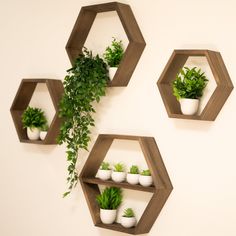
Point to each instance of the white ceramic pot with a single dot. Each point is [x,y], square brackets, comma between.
[118,176]
[189,106]
[112,72]
[132,178]
[33,133]
[108,216]
[128,222]
[145,180]
[104,174]
[43,134]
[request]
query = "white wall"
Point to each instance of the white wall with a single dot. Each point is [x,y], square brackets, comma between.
[199,156]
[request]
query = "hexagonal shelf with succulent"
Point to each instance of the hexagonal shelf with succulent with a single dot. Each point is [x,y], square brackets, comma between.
[161,189]
[22,100]
[222,91]
[135,47]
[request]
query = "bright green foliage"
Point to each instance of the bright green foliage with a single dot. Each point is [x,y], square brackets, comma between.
[33,117]
[146,173]
[114,53]
[119,167]
[110,198]
[85,83]
[105,166]
[189,83]
[134,170]
[128,212]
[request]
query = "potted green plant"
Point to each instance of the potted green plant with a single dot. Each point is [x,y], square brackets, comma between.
[33,119]
[113,55]
[133,175]
[109,200]
[188,88]
[145,178]
[43,132]
[128,219]
[84,85]
[104,171]
[118,174]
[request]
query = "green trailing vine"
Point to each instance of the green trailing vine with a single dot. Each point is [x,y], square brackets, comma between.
[85,83]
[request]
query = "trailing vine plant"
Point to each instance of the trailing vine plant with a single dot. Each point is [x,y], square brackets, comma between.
[85,83]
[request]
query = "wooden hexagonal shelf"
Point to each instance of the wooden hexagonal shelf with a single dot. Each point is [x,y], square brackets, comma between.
[161,189]
[222,91]
[22,100]
[135,47]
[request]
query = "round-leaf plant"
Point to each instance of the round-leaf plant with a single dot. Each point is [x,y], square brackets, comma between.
[85,83]
[33,117]
[189,83]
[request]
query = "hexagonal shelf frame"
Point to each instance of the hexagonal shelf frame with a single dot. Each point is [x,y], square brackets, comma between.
[217,99]
[161,189]
[134,49]
[22,100]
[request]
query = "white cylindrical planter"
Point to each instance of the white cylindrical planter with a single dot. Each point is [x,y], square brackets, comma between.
[189,106]
[104,174]
[132,178]
[118,176]
[43,134]
[145,180]
[112,72]
[128,222]
[108,216]
[33,133]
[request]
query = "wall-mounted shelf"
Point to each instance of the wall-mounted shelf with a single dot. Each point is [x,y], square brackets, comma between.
[134,49]
[22,100]
[222,91]
[161,189]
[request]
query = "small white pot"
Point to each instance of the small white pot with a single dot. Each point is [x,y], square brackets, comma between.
[132,178]
[33,133]
[128,222]
[108,216]
[104,174]
[189,106]
[145,180]
[118,176]
[112,72]
[43,134]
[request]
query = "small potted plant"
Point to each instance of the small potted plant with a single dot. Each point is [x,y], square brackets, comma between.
[109,200]
[43,132]
[133,175]
[145,178]
[33,119]
[113,55]
[118,173]
[128,219]
[104,172]
[188,88]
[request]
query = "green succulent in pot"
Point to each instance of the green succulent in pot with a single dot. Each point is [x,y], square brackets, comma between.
[128,219]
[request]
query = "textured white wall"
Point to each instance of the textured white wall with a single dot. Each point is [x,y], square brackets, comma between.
[199,156]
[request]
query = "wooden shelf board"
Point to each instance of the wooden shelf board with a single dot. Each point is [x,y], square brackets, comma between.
[117,227]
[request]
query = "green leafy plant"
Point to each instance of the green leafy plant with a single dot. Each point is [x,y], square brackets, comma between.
[85,83]
[110,198]
[128,212]
[146,173]
[105,166]
[134,170]
[189,83]
[33,117]
[114,53]
[119,167]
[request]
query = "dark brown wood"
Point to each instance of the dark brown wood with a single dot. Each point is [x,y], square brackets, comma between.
[161,189]
[134,49]
[220,74]
[126,185]
[22,100]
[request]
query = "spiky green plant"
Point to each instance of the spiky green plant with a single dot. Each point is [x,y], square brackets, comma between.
[134,170]
[105,166]
[110,198]
[119,167]
[146,173]
[128,212]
